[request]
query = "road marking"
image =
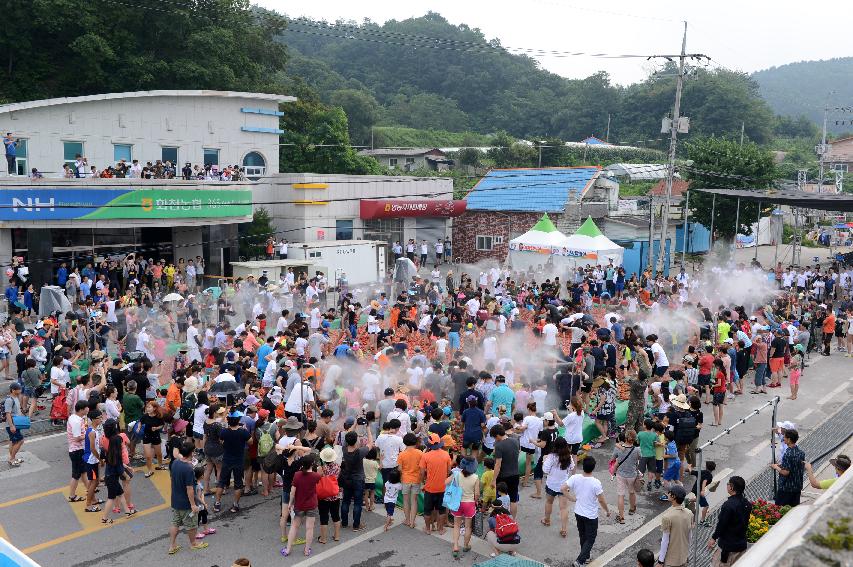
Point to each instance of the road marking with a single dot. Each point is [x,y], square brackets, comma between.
[4,535]
[832,394]
[43,437]
[804,414]
[642,532]
[342,547]
[36,496]
[758,448]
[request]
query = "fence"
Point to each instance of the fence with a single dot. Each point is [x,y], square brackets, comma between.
[817,445]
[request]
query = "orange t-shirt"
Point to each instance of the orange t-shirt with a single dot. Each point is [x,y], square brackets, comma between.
[437,465]
[829,323]
[173,398]
[409,462]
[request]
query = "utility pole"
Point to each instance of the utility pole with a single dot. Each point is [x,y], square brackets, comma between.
[607,136]
[822,148]
[742,128]
[673,131]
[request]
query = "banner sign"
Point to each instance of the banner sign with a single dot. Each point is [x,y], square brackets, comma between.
[397,208]
[555,251]
[69,204]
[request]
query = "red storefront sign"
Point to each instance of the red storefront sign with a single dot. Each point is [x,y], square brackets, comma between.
[397,208]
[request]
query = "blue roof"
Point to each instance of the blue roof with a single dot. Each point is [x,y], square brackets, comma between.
[536,190]
[592,140]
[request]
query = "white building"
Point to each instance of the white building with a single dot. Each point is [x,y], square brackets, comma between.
[49,221]
[307,207]
[201,127]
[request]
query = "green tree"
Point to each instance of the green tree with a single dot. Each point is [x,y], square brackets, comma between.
[254,235]
[468,157]
[362,112]
[725,164]
[507,153]
[426,110]
[316,140]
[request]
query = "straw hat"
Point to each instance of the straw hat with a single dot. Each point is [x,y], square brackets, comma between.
[327,455]
[191,385]
[680,401]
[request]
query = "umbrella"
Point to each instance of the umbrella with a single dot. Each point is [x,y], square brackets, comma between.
[174,297]
[173,348]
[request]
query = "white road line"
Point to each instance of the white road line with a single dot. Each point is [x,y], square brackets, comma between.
[804,414]
[317,558]
[36,439]
[642,532]
[758,448]
[832,394]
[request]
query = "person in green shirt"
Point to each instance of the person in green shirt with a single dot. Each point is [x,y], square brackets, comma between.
[723,330]
[132,406]
[646,438]
[841,463]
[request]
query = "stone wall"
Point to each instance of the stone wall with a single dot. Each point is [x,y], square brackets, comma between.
[467,227]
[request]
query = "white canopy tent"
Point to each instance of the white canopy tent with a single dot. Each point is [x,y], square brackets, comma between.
[589,246]
[544,244]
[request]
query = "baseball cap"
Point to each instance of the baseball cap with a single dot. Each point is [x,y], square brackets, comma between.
[548,416]
[678,492]
[787,425]
[252,400]
[841,461]
[389,391]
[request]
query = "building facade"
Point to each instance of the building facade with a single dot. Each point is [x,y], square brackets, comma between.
[307,207]
[410,159]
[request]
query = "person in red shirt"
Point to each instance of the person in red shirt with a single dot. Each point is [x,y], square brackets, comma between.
[719,391]
[303,501]
[706,364]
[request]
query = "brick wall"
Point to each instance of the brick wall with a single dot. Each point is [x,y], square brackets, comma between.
[467,227]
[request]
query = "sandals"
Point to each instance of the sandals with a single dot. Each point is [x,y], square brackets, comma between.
[564,533]
[456,554]
[285,552]
[307,552]
[149,474]
[75,498]
[619,520]
[217,507]
[466,549]
[174,550]
[106,520]
[234,509]
[161,467]
[545,522]
[93,509]
[130,513]
[202,545]
[321,541]
[632,512]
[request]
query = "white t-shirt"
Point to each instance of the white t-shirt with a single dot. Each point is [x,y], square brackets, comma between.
[300,344]
[208,339]
[415,377]
[390,447]
[531,434]
[60,375]
[473,305]
[370,383]
[555,476]
[490,348]
[549,331]
[198,419]
[573,424]
[659,355]
[441,346]
[316,318]
[281,324]
[111,311]
[372,324]
[586,490]
[488,440]
[294,401]
[192,343]
[424,249]
[405,422]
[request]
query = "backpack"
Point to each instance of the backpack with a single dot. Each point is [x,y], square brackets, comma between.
[506,528]
[3,409]
[265,441]
[685,427]
[187,409]
[328,487]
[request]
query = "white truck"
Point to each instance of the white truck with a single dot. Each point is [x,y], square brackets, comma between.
[361,261]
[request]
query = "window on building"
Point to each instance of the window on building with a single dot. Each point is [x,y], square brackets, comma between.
[485,242]
[211,156]
[837,167]
[392,162]
[70,151]
[254,165]
[410,161]
[122,152]
[21,158]
[169,153]
[343,229]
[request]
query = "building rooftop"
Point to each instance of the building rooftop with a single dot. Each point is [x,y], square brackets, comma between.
[531,190]
[679,187]
[17,106]
[400,152]
[638,171]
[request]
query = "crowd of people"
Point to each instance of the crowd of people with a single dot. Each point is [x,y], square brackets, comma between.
[426,397]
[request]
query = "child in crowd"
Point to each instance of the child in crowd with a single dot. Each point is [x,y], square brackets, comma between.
[647,465]
[371,468]
[392,489]
[486,490]
[660,448]
[503,494]
[703,481]
[672,465]
[204,528]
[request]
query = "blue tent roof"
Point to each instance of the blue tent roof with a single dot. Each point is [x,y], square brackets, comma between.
[592,140]
[535,190]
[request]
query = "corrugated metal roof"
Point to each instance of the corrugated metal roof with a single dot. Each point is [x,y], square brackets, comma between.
[399,151]
[534,190]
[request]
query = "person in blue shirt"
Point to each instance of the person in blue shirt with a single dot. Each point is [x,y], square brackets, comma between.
[502,395]
[617,329]
[11,293]
[473,426]
[61,275]
[11,152]
[263,351]
[85,287]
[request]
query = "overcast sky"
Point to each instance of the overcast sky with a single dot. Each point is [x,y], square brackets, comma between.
[745,35]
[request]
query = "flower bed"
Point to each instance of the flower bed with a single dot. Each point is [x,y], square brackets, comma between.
[764,515]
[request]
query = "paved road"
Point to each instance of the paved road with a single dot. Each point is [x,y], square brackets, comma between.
[35,516]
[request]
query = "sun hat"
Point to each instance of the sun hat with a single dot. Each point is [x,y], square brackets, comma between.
[548,416]
[293,423]
[786,425]
[327,455]
[191,385]
[680,401]
[434,441]
[468,465]
[252,400]
[840,462]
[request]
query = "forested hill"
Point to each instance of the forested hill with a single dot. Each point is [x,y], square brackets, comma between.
[802,88]
[427,73]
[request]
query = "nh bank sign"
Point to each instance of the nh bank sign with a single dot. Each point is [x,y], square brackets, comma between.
[69,204]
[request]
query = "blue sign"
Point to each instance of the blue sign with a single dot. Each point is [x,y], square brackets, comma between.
[53,203]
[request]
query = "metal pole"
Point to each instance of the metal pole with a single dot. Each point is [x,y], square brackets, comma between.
[823,147]
[673,136]
[757,232]
[713,209]
[775,402]
[686,232]
[607,136]
[540,155]
[651,262]
[737,220]
[699,465]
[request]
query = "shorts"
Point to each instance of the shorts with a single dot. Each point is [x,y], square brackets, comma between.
[113,484]
[285,496]
[703,502]
[794,378]
[229,470]
[198,435]
[784,498]
[305,513]
[473,445]
[92,471]
[776,364]
[673,472]
[511,486]
[704,380]
[529,451]
[660,370]
[329,508]
[411,488]
[553,493]
[389,509]
[604,417]
[659,466]
[254,463]
[466,510]
[184,519]
[15,437]
[453,340]
[152,440]
[487,450]
[27,392]
[78,467]
[4,354]
[718,398]
[647,464]
[434,501]
[625,486]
